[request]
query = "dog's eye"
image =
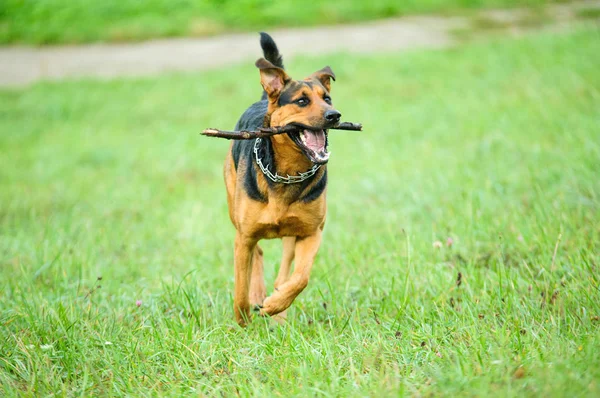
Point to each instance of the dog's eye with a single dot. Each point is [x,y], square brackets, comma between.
[302,102]
[327,99]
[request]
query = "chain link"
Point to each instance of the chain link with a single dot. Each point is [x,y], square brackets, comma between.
[276,177]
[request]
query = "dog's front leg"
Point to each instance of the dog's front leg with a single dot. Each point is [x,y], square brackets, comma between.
[243,252]
[284,295]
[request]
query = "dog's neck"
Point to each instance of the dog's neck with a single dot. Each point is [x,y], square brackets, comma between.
[289,159]
[280,165]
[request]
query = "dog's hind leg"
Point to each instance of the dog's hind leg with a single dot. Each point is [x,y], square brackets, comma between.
[258,291]
[243,254]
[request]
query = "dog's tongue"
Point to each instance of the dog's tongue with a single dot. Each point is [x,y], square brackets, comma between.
[316,145]
[315,140]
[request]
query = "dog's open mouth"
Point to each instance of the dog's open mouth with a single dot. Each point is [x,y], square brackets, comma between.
[313,143]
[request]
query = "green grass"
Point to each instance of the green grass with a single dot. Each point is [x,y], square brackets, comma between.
[495,146]
[77,21]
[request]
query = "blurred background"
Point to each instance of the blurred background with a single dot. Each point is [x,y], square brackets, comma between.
[137,38]
[83,21]
[462,240]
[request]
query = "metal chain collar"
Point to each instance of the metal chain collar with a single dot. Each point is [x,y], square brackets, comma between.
[276,177]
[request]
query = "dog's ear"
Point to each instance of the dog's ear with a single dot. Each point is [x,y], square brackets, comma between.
[324,75]
[272,78]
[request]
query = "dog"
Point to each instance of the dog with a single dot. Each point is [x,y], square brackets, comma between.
[276,186]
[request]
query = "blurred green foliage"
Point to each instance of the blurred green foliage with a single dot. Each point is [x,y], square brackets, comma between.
[78,21]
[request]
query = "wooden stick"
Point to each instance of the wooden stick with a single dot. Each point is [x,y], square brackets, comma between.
[269,131]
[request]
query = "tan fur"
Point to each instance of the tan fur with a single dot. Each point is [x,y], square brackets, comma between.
[298,224]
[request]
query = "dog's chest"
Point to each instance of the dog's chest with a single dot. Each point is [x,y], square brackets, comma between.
[276,221]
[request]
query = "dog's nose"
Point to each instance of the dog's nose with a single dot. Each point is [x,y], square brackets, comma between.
[332,116]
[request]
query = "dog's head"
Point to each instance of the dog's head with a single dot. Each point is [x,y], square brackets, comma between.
[303,103]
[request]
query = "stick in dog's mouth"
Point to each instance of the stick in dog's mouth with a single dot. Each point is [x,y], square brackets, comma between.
[269,131]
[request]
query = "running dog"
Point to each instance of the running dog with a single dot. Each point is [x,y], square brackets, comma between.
[276,186]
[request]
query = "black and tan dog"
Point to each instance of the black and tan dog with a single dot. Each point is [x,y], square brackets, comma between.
[276,186]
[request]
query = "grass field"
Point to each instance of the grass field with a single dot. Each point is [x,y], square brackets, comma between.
[108,197]
[78,21]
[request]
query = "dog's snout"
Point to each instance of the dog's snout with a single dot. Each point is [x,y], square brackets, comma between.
[332,116]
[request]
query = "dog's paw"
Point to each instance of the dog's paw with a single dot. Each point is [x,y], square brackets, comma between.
[272,305]
[257,308]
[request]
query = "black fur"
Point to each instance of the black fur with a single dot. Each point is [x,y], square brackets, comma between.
[291,90]
[316,189]
[236,151]
[286,96]
[251,183]
[271,54]
[252,119]
[270,50]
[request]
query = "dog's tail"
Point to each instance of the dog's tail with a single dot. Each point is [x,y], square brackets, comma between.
[270,50]
[271,53]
